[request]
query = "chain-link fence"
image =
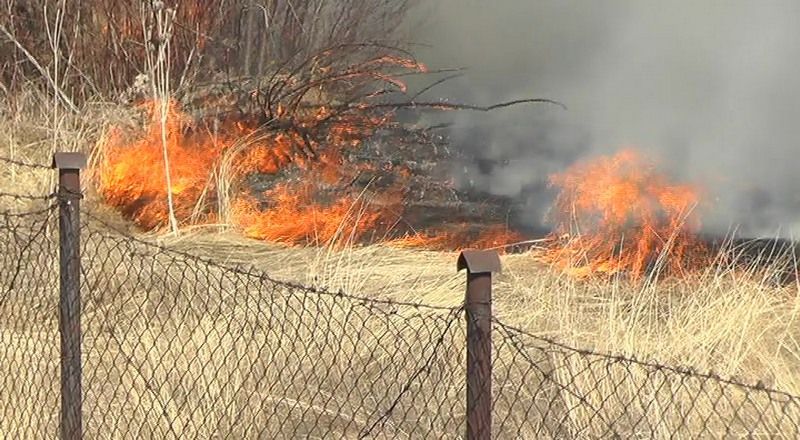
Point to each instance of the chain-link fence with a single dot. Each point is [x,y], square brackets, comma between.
[177,346]
[546,389]
[29,336]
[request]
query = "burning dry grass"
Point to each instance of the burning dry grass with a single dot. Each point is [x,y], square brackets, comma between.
[189,371]
[619,214]
[312,196]
[207,169]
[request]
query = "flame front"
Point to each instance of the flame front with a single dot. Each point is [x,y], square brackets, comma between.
[206,167]
[498,237]
[132,175]
[212,170]
[617,214]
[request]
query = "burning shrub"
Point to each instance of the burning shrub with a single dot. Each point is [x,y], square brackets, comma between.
[255,110]
[206,168]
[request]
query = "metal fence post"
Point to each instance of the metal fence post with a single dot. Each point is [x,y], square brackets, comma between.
[69,320]
[478,305]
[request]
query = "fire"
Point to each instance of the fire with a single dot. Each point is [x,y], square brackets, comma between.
[212,170]
[132,176]
[618,214]
[497,237]
[615,214]
[291,219]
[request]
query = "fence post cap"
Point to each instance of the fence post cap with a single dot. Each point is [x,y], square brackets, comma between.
[477,261]
[69,161]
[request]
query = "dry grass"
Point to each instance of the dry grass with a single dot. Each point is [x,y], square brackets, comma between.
[175,349]
[733,322]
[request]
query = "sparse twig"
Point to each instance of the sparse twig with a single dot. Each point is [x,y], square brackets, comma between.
[57,91]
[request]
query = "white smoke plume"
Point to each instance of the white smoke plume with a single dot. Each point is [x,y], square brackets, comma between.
[710,87]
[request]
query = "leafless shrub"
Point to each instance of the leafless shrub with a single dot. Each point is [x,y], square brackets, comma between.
[101,50]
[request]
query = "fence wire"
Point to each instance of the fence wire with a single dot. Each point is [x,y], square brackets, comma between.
[545,389]
[29,338]
[179,347]
[176,346]
[24,164]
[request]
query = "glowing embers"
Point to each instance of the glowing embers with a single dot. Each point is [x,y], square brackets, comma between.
[618,214]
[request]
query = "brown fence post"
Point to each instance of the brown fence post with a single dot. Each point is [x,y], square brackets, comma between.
[69,320]
[478,305]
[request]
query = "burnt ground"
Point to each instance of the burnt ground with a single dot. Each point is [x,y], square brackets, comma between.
[424,170]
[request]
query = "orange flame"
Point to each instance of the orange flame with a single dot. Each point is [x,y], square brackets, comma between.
[497,237]
[207,166]
[291,218]
[132,176]
[619,215]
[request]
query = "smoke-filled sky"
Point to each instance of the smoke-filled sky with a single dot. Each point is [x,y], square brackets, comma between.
[712,88]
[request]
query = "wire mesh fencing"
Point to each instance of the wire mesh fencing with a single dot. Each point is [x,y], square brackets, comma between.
[178,346]
[546,389]
[29,337]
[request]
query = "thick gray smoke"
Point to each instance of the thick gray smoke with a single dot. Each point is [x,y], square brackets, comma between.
[712,88]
